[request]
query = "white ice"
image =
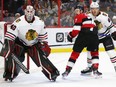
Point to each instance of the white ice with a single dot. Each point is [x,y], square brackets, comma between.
[37,79]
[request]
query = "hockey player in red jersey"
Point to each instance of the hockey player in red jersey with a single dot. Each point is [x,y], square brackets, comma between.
[27,33]
[85,32]
[106,31]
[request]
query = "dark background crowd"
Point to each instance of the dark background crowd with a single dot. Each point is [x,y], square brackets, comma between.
[48,10]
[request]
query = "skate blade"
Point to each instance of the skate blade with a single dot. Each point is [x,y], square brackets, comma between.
[64,76]
[86,74]
[97,76]
[6,79]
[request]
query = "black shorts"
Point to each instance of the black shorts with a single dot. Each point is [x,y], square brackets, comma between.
[107,42]
[88,40]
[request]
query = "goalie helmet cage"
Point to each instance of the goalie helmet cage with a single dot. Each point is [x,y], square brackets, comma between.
[6,25]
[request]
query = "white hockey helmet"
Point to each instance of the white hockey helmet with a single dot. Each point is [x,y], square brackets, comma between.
[94,5]
[29,12]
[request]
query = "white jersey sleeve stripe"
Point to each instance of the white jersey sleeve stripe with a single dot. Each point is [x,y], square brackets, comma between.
[43,37]
[10,36]
[77,28]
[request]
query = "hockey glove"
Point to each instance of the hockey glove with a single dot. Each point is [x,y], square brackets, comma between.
[114,35]
[69,37]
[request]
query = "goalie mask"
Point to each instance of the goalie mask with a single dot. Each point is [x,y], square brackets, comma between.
[29,13]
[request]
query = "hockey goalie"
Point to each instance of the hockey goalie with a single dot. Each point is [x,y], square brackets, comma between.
[27,35]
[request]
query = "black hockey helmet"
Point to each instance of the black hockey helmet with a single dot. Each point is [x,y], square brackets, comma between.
[79,7]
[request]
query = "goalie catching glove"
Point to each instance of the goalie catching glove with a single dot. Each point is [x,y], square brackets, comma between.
[114,35]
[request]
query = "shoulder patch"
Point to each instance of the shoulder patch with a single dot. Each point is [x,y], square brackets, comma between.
[105,14]
[18,20]
[13,27]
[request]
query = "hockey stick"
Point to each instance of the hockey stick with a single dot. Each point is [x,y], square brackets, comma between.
[1,43]
[60,45]
[21,65]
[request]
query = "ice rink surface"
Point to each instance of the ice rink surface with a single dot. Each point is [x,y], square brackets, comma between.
[75,79]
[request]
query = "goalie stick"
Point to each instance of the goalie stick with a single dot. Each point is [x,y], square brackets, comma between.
[1,43]
[21,65]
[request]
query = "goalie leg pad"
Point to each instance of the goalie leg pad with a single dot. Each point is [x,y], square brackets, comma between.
[49,70]
[51,76]
[11,70]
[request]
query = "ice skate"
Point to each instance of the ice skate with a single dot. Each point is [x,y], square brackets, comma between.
[7,77]
[97,74]
[65,74]
[86,71]
[55,76]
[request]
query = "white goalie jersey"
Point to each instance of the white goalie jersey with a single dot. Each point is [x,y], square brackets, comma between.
[28,33]
[104,24]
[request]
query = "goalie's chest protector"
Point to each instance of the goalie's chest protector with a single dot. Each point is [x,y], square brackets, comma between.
[24,27]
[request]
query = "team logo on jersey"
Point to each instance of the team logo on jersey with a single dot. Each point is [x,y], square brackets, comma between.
[98,24]
[31,35]
[18,20]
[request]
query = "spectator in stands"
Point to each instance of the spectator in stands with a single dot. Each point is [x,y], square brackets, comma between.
[6,16]
[22,8]
[17,15]
[38,7]
[109,11]
[11,17]
[114,19]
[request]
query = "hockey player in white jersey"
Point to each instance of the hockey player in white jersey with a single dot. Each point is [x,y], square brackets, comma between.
[106,31]
[27,34]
